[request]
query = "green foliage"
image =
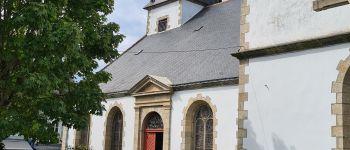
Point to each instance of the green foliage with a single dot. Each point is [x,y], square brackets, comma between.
[45,47]
[2,146]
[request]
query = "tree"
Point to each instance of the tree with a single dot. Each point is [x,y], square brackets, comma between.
[45,47]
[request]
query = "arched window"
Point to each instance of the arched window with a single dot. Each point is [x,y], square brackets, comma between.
[203,128]
[117,132]
[114,130]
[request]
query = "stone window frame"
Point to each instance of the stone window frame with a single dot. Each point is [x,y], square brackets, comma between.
[162,18]
[106,142]
[341,108]
[187,124]
[319,5]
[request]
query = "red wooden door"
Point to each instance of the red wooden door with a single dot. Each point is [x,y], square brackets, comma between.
[150,141]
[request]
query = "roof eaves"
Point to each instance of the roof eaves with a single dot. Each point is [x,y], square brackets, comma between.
[185,86]
[206,84]
[151,5]
[294,46]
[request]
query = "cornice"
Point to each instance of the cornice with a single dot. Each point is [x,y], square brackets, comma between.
[295,46]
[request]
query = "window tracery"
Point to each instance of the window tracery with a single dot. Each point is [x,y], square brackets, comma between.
[117,132]
[203,124]
[154,122]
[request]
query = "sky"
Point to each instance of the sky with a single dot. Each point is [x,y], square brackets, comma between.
[131,17]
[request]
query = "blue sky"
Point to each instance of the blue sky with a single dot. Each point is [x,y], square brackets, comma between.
[131,17]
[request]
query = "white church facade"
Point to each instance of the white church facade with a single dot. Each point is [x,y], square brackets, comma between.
[177,87]
[294,75]
[230,75]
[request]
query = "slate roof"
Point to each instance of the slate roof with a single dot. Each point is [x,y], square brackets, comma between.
[184,55]
[158,3]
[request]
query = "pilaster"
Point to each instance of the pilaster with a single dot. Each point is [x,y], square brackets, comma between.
[243,77]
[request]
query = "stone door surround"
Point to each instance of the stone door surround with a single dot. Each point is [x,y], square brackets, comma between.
[152,94]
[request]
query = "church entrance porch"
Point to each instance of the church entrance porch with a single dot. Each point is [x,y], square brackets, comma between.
[152,113]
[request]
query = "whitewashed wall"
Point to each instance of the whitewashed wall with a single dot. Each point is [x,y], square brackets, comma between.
[177,11]
[70,138]
[189,10]
[289,106]
[172,10]
[225,99]
[97,125]
[282,21]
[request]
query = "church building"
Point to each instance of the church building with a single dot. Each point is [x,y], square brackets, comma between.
[294,75]
[177,87]
[230,75]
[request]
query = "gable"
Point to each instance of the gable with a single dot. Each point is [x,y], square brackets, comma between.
[151,85]
[186,55]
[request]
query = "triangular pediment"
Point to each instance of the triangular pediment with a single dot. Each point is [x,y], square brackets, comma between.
[151,85]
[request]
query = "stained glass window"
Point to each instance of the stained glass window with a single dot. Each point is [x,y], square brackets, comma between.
[154,121]
[117,132]
[203,124]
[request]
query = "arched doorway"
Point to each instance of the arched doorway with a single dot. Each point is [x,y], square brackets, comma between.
[153,132]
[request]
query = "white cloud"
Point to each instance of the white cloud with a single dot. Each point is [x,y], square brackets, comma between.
[132,18]
[127,43]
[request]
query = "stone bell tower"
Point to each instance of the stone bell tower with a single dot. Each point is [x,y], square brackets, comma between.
[165,15]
